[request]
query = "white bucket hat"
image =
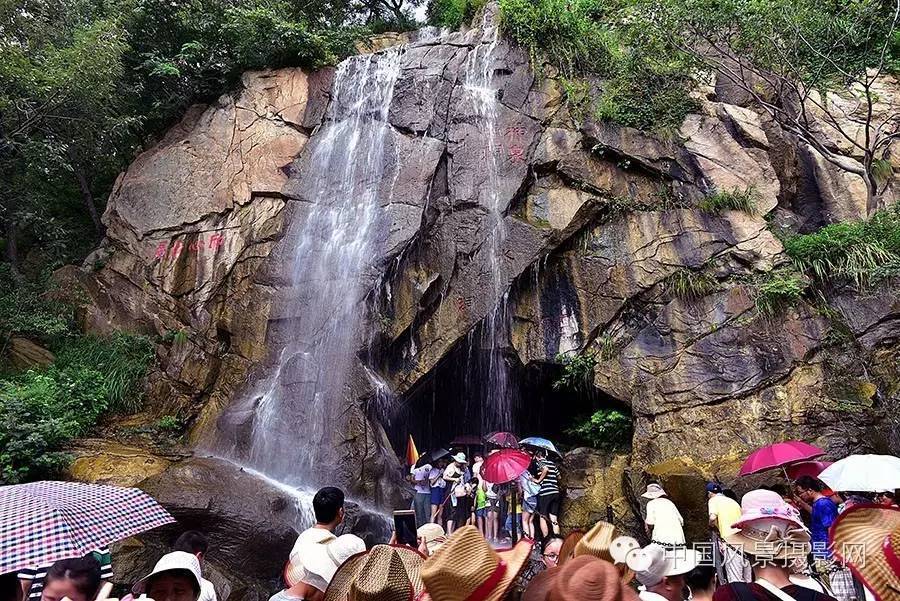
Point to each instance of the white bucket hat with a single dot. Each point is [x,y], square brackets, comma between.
[460,458]
[654,491]
[654,562]
[321,560]
[176,560]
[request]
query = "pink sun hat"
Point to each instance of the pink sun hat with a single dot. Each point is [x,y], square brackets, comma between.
[766,505]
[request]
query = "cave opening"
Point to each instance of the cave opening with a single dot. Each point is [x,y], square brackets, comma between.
[449,403]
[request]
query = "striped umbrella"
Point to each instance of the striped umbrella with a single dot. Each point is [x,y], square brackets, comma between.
[43,522]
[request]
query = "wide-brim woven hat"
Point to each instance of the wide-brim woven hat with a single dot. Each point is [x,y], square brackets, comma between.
[538,588]
[467,567]
[867,538]
[583,577]
[570,543]
[389,572]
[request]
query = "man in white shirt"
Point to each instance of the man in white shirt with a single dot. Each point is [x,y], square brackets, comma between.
[328,506]
[422,498]
[195,543]
[661,571]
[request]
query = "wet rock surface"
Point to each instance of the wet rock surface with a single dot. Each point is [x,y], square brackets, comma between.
[575,235]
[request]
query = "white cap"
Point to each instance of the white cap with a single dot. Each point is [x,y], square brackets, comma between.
[176,560]
[321,560]
[654,562]
[460,458]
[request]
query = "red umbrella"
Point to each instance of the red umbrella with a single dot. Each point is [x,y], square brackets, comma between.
[506,440]
[806,468]
[779,455]
[505,465]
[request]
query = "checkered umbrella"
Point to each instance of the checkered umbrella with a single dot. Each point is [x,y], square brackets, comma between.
[43,522]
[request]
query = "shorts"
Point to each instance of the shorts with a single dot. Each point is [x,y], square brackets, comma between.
[548,504]
[493,505]
[480,513]
[461,513]
[529,505]
[438,494]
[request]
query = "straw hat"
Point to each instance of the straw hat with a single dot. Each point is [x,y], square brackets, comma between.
[654,562]
[601,542]
[385,573]
[433,535]
[654,491]
[867,538]
[176,560]
[467,567]
[321,560]
[584,578]
[567,551]
[769,528]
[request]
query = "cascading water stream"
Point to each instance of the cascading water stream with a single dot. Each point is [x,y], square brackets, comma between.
[345,174]
[480,87]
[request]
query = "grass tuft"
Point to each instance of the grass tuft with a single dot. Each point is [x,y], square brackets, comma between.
[731,200]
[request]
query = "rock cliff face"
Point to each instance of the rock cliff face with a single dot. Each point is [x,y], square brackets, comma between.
[561,233]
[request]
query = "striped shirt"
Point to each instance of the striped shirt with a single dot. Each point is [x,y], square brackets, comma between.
[550,483]
[37,575]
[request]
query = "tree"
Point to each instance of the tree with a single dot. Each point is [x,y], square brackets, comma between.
[803,62]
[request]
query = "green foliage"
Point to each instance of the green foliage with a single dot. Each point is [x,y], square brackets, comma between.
[605,429]
[452,14]
[779,290]
[882,170]
[562,32]
[578,371]
[39,413]
[862,252]
[169,423]
[688,284]
[730,200]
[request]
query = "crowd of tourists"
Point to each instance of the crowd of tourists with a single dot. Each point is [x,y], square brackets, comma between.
[451,492]
[761,549]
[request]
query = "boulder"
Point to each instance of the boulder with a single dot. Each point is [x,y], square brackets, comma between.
[595,490]
[25,354]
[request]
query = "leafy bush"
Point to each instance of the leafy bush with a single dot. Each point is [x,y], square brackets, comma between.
[39,413]
[168,423]
[687,284]
[862,252]
[452,14]
[730,200]
[780,289]
[578,371]
[605,429]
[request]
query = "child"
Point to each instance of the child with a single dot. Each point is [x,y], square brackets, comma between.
[480,506]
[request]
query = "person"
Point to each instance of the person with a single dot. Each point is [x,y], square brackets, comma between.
[542,558]
[584,578]
[74,579]
[723,512]
[661,571]
[602,541]
[32,579]
[422,497]
[175,577]
[195,543]
[664,523]
[550,549]
[10,589]
[320,562]
[530,489]
[328,507]
[514,511]
[492,517]
[823,512]
[477,462]
[453,476]
[465,499]
[438,490]
[480,506]
[867,537]
[467,567]
[772,535]
[548,494]
[701,582]
[886,498]
[385,572]
[432,536]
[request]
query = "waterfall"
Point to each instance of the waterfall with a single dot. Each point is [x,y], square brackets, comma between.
[482,92]
[345,176]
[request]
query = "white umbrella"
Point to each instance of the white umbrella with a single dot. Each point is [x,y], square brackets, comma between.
[863,473]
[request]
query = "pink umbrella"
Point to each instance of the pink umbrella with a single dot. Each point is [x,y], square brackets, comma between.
[504,466]
[779,455]
[806,468]
[505,440]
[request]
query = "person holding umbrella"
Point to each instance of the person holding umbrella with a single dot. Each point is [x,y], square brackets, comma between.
[73,579]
